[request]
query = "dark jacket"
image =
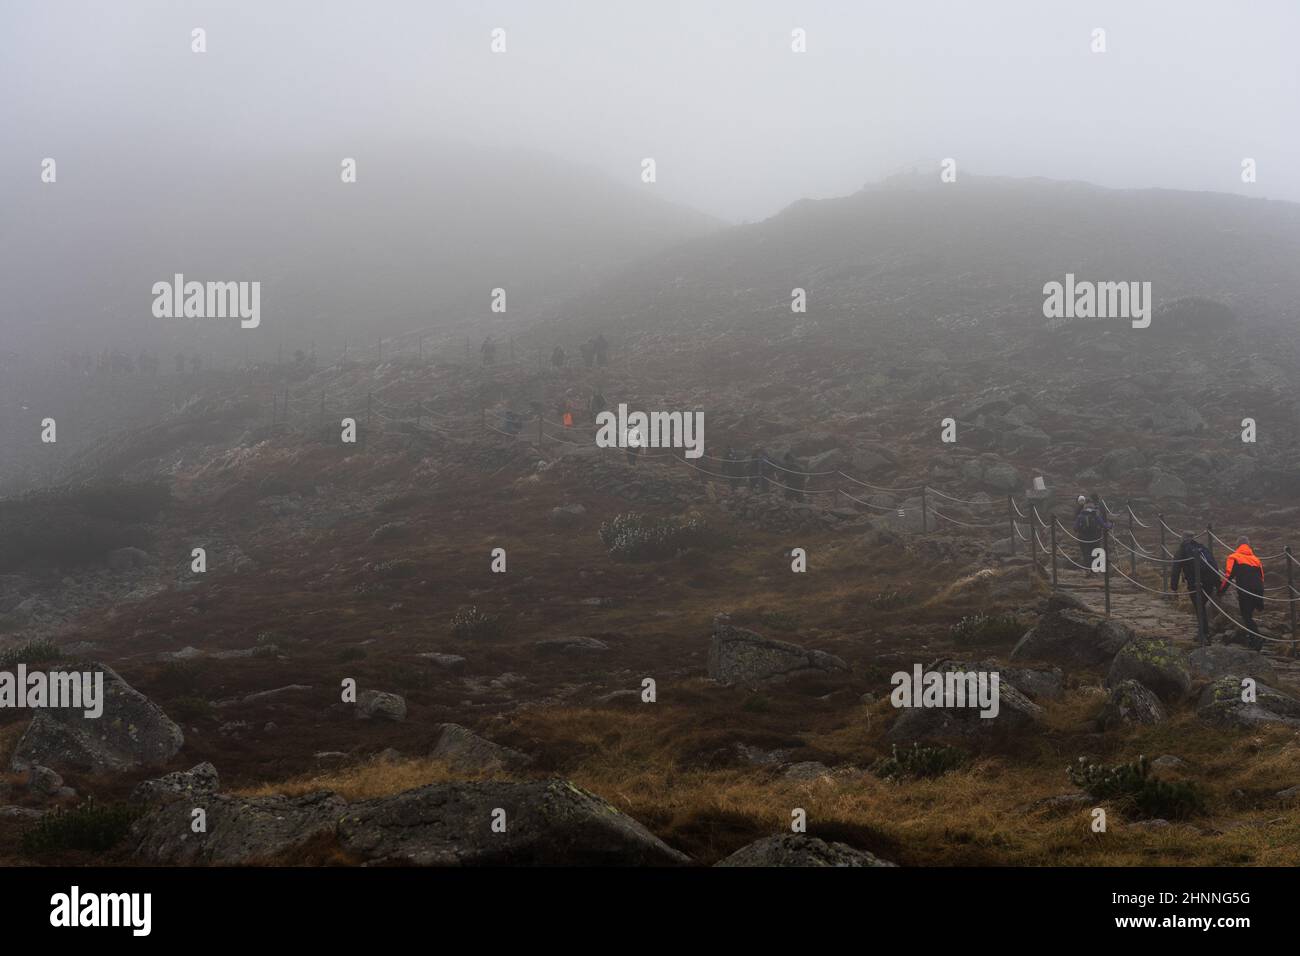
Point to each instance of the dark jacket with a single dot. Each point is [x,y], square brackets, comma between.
[1089,523]
[1184,567]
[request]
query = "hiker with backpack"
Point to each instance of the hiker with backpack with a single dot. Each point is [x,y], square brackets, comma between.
[1194,563]
[1090,527]
[1245,572]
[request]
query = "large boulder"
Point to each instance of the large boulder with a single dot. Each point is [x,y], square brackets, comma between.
[240,830]
[1154,663]
[1129,704]
[738,656]
[1073,639]
[1219,660]
[446,824]
[1164,485]
[547,823]
[132,731]
[467,751]
[799,849]
[1016,713]
[1221,703]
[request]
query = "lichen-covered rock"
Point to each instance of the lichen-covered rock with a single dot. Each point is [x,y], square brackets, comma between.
[380,705]
[200,780]
[1073,639]
[132,731]
[467,751]
[1222,704]
[799,849]
[240,830]
[1155,664]
[738,656]
[446,824]
[1130,704]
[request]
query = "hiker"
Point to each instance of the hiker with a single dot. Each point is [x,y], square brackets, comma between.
[1244,571]
[1189,553]
[588,352]
[601,348]
[791,478]
[598,404]
[558,357]
[488,350]
[1090,526]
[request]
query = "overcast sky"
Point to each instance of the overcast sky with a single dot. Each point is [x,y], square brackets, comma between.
[739,125]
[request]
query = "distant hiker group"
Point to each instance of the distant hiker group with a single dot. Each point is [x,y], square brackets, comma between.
[758,470]
[1193,564]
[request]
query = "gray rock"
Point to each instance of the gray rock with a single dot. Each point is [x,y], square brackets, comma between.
[380,705]
[568,516]
[799,849]
[451,662]
[1154,663]
[1121,462]
[1001,476]
[805,770]
[241,830]
[738,656]
[546,823]
[131,732]
[1036,684]
[43,780]
[1219,660]
[1073,639]
[467,751]
[1016,713]
[1221,704]
[1130,704]
[200,780]
[572,645]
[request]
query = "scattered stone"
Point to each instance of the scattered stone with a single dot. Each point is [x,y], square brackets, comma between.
[465,750]
[1130,704]
[571,645]
[800,849]
[1073,639]
[568,516]
[1219,660]
[451,662]
[1154,663]
[738,656]
[200,780]
[129,559]
[131,732]
[380,705]
[806,770]
[1221,704]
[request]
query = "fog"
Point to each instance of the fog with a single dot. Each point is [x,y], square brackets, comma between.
[228,163]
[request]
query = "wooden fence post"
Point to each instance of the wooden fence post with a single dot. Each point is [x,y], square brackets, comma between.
[1011,519]
[925,512]
[1105,563]
[1054,523]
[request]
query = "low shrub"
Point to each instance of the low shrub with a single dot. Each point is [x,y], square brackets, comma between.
[637,537]
[472,624]
[1131,787]
[982,630]
[88,826]
[37,650]
[918,761]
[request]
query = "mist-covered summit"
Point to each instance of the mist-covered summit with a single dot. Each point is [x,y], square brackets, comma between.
[976,252]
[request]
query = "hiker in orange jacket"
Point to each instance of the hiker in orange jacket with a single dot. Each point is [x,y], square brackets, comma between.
[1245,572]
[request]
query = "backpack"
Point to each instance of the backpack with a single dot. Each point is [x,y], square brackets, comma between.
[1090,522]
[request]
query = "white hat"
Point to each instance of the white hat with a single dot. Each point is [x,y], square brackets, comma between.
[1082,499]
